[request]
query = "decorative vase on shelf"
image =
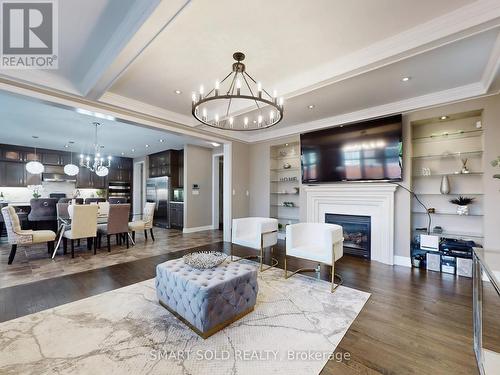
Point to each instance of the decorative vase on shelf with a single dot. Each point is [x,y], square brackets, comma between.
[445,185]
[463,210]
[464,169]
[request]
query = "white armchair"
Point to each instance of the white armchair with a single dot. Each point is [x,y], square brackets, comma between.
[256,233]
[319,242]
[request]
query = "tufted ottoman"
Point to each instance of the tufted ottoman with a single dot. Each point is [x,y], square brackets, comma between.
[207,300]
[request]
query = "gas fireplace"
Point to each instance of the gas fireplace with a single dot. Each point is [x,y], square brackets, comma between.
[357,233]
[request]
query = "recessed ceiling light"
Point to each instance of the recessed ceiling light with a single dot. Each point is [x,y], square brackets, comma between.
[405,79]
[178,92]
[147,146]
[443,118]
[133,150]
[66,146]
[254,121]
[162,140]
[310,106]
[215,144]
[123,153]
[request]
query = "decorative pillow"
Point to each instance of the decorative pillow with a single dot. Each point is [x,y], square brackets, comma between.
[204,259]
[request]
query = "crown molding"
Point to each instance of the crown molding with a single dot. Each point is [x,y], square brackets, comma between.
[138,106]
[492,66]
[419,102]
[468,20]
[178,118]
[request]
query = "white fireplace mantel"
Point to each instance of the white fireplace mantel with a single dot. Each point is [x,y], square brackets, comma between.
[365,199]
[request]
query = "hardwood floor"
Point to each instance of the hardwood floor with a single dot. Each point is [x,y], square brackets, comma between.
[414,322]
[32,263]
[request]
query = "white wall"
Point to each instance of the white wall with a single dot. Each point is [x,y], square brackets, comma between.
[197,203]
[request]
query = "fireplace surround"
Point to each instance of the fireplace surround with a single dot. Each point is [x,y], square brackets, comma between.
[375,200]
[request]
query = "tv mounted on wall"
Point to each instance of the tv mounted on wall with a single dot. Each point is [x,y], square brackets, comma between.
[365,151]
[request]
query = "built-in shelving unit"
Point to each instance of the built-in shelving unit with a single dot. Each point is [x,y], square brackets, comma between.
[440,146]
[285,184]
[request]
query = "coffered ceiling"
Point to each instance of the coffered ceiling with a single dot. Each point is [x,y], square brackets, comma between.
[345,58]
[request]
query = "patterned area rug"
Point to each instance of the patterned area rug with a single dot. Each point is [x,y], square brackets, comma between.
[295,327]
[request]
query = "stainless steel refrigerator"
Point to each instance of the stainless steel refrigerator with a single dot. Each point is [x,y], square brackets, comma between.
[158,190]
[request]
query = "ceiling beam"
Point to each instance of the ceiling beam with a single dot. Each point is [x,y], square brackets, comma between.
[146,22]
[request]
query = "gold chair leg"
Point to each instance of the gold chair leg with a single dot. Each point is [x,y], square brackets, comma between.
[286,277]
[334,287]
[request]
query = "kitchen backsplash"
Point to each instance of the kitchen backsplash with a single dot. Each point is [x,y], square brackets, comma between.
[24,194]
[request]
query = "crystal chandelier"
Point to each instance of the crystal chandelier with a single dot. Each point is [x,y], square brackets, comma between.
[97,163]
[223,106]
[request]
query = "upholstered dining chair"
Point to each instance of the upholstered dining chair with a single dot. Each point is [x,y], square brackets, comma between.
[83,225]
[103,208]
[18,236]
[319,242]
[94,200]
[146,222]
[117,224]
[256,233]
[43,210]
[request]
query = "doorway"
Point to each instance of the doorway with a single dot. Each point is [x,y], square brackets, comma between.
[218,192]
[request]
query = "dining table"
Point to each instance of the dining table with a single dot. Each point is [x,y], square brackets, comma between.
[65,223]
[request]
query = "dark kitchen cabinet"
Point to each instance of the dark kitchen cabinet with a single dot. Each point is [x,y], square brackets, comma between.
[12,155]
[31,156]
[12,174]
[99,182]
[86,179]
[176,215]
[121,170]
[165,163]
[180,168]
[53,158]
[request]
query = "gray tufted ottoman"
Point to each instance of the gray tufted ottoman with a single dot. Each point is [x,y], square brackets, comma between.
[207,300]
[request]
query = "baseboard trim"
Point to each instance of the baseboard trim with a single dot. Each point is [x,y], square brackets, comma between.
[197,229]
[402,261]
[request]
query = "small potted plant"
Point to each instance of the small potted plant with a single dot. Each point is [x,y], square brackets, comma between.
[36,190]
[496,163]
[462,204]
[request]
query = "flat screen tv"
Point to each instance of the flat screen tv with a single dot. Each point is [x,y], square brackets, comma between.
[364,151]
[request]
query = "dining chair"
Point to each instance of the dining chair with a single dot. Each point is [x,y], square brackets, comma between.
[117,224]
[43,210]
[18,236]
[103,208]
[94,200]
[83,225]
[146,222]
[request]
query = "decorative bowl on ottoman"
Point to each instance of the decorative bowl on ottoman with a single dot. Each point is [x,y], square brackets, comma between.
[210,299]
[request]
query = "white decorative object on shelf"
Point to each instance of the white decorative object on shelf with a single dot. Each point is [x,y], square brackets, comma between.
[445,185]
